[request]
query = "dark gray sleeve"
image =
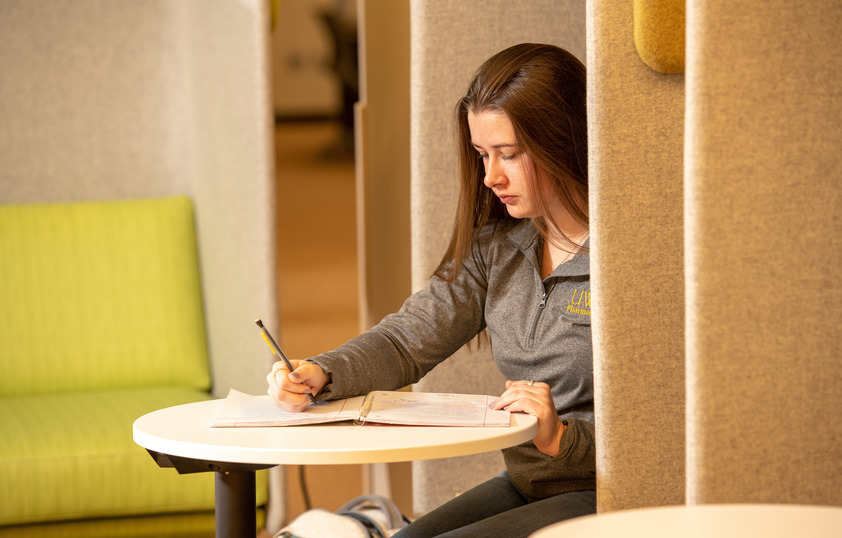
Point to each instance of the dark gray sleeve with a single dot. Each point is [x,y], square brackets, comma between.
[577,448]
[430,326]
[573,469]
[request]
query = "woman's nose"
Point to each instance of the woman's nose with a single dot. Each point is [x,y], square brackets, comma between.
[493,174]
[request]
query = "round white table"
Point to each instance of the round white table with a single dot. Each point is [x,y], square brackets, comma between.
[180,437]
[705,521]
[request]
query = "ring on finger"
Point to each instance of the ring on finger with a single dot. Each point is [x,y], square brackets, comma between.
[530,383]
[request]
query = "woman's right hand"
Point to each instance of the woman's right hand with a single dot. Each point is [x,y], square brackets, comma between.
[291,390]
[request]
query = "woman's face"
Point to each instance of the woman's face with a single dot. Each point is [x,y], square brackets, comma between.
[507,167]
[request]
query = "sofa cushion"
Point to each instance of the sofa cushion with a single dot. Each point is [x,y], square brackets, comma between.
[69,456]
[102,295]
[192,525]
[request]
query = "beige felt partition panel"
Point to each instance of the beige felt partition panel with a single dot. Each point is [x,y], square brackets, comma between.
[111,100]
[635,117]
[449,41]
[382,159]
[381,138]
[764,250]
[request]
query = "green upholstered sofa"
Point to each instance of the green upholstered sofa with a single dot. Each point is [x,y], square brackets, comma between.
[101,321]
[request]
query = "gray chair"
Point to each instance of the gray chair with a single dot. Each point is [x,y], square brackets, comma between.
[715,232]
[440,76]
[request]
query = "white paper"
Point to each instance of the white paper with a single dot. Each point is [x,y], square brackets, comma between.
[434,409]
[245,410]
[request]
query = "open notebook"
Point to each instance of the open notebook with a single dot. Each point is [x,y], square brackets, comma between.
[382,407]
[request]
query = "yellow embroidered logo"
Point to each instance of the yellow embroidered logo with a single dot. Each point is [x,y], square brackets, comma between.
[580,303]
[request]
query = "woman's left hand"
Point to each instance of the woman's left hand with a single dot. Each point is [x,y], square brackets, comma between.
[534,399]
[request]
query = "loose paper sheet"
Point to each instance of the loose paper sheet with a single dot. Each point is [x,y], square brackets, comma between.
[245,410]
[433,409]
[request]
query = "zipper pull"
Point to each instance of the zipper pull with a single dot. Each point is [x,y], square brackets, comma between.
[543,302]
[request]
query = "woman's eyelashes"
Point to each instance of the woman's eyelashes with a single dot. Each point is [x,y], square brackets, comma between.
[506,157]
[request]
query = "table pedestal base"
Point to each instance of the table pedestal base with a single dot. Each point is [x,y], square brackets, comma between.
[234,490]
[235,511]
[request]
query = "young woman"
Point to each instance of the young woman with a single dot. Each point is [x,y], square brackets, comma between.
[517,269]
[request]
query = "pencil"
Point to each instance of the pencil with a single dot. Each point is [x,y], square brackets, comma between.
[276,349]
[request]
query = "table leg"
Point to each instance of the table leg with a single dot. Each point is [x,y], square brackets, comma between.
[236,516]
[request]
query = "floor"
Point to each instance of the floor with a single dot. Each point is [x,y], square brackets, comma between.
[317,266]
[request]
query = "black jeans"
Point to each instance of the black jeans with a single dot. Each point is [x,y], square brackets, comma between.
[497,509]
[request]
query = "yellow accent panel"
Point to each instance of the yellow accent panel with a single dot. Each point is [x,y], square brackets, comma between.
[659,28]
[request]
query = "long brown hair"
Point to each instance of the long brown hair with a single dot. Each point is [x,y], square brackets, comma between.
[541,89]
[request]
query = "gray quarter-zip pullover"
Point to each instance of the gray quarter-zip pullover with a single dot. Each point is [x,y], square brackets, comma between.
[539,330]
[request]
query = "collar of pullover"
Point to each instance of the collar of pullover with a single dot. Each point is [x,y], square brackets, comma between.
[526,238]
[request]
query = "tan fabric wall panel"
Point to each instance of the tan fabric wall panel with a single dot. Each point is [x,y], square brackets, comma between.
[635,156]
[764,251]
[232,169]
[98,110]
[382,158]
[449,41]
